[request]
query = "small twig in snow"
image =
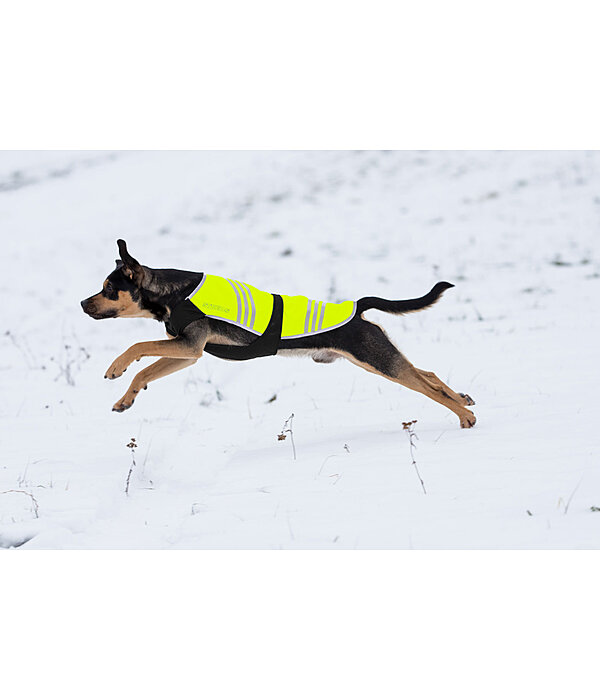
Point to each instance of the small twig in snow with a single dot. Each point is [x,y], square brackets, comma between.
[290,527]
[24,349]
[568,503]
[70,361]
[287,428]
[34,502]
[324,463]
[408,426]
[132,445]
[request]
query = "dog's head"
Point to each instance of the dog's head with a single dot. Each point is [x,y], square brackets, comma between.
[121,292]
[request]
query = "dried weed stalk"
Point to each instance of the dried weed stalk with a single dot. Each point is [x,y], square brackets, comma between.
[412,436]
[34,504]
[132,446]
[287,428]
[70,361]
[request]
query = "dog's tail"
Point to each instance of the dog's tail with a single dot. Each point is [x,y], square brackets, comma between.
[405,306]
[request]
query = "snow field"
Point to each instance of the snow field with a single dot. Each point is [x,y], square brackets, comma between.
[517,232]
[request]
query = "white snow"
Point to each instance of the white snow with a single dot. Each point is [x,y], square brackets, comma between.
[517,232]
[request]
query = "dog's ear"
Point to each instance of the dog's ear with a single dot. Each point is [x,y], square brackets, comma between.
[130,266]
[124,253]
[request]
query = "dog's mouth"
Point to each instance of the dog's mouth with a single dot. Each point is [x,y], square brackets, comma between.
[98,317]
[93,312]
[107,314]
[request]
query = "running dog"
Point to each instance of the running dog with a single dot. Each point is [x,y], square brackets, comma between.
[232,320]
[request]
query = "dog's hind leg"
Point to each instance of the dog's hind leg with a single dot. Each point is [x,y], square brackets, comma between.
[436,382]
[372,350]
[161,368]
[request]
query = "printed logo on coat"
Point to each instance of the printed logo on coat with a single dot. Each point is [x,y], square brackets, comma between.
[215,307]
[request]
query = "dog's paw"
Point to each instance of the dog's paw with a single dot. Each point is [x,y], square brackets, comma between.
[124,403]
[127,401]
[117,368]
[468,400]
[468,420]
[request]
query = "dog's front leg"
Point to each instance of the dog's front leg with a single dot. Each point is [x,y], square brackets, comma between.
[161,368]
[182,347]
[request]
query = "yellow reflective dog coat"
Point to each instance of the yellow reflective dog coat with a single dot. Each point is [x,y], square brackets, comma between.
[250,308]
[271,317]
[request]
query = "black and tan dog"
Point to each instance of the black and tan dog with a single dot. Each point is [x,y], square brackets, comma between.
[133,290]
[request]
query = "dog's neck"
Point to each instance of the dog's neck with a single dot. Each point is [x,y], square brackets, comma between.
[164,289]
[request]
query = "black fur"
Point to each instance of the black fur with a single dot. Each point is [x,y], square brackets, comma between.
[404,306]
[164,289]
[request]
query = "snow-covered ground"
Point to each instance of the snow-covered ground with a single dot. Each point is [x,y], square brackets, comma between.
[517,232]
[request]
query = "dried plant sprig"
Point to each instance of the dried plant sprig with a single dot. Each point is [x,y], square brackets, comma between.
[132,446]
[568,503]
[70,361]
[288,428]
[412,436]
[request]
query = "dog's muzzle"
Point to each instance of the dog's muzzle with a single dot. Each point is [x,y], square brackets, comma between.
[89,307]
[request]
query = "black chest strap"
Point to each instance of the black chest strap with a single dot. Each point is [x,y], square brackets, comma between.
[181,316]
[265,345]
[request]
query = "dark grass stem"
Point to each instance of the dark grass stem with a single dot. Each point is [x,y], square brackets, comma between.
[132,445]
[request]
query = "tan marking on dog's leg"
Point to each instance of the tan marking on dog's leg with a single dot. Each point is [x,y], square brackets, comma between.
[413,379]
[161,368]
[437,383]
[410,377]
[176,348]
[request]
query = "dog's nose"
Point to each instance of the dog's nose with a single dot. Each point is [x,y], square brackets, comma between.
[83,304]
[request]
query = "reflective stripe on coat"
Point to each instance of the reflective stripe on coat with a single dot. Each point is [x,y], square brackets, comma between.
[250,308]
